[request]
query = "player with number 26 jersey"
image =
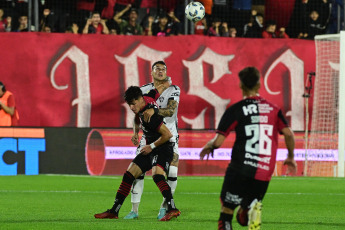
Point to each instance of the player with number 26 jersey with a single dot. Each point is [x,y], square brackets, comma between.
[257,123]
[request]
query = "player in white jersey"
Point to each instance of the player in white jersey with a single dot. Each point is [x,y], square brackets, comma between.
[168,107]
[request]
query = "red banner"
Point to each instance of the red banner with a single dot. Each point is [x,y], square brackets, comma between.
[78,80]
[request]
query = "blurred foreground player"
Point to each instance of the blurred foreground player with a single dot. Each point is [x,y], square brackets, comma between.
[257,123]
[156,154]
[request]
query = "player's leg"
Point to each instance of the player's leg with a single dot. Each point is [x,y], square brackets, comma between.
[172,181]
[137,189]
[251,205]
[139,165]
[231,196]
[160,167]
[159,179]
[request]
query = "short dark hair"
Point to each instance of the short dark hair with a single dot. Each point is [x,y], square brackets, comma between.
[2,86]
[250,77]
[132,93]
[159,62]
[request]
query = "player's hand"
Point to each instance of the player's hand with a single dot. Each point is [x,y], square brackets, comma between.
[135,139]
[148,114]
[206,151]
[291,166]
[146,150]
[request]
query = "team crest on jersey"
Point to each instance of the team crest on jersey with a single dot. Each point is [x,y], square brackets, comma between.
[161,99]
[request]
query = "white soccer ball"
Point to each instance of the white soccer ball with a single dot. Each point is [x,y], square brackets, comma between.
[195,11]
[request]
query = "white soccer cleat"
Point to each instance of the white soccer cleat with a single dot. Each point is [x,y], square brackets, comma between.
[254,215]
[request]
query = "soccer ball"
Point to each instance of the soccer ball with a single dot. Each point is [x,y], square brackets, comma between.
[195,11]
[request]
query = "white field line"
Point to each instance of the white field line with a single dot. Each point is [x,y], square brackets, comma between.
[182,193]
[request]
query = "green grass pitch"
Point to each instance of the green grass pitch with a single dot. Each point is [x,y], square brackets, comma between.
[69,202]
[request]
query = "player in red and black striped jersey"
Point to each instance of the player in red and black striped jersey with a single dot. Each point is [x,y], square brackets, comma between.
[156,154]
[257,124]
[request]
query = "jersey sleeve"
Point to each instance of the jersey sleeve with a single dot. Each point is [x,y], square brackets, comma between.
[175,93]
[153,93]
[228,122]
[155,122]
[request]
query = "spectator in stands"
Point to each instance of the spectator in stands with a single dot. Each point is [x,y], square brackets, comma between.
[200,28]
[254,28]
[214,29]
[149,24]
[8,112]
[163,27]
[46,29]
[270,31]
[232,32]
[314,26]
[73,28]
[224,30]
[3,21]
[300,16]
[95,25]
[23,24]
[130,27]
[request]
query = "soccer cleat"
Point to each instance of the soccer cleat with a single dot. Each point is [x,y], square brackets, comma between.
[131,215]
[171,214]
[106,215]
[254,215]
[161,213]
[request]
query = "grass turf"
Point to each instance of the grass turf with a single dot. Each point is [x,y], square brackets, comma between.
[69,202]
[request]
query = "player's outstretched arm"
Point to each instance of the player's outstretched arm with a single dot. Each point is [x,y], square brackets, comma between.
[290,145]
[213,144]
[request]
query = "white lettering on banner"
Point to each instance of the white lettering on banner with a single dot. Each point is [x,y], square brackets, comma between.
[197,87]
[131,70]
[114,152]
[296,68]
[81,61]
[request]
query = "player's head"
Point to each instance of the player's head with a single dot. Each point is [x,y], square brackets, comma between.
[134,98]
[250,78]
[2,88]
[159,71]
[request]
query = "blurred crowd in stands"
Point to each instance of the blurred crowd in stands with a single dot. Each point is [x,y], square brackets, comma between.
[225,18]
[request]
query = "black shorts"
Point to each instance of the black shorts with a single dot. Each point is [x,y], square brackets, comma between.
[241,190]
[161,156]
